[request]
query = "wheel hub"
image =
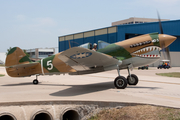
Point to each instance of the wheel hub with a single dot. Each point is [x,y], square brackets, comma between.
[132,80]
[120,82]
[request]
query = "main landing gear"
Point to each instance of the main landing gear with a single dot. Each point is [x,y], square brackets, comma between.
[35,81]
[121,82]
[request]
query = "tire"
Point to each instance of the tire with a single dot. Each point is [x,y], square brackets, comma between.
[120,82]
[35,81]
[134,80]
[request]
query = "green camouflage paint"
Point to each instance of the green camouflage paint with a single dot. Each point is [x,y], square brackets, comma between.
[155,39]
[24,59]
[12,50]
[116,51]
[48,64]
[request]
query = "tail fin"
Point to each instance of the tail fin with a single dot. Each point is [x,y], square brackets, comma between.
[15,57]
[16,61]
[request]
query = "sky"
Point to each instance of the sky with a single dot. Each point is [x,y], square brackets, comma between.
[32,24]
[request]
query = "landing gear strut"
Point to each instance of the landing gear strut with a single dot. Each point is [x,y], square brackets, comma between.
[132,79]
[35,81]
[121,82]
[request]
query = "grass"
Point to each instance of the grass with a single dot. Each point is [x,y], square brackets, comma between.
[140,112]
[172,74]
[1,75]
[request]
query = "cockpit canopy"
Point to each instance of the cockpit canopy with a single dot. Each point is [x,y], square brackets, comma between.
[100,44]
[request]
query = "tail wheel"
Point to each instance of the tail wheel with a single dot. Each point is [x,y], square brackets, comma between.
[120,82]
[133,80]
[35,81]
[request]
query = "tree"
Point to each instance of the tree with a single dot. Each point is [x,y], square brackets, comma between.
[26,53]
[8,50]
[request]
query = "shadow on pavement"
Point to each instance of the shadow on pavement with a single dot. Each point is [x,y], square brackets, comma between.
[151,88]
[19,84]
[75,90]
[84,89]
[30,83]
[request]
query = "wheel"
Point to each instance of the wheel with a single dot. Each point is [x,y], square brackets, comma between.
[120,82]
[35,81]
[132,81]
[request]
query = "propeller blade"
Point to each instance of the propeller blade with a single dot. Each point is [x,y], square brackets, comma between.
[168,54]
[160,25]
[164,51]
[69,43]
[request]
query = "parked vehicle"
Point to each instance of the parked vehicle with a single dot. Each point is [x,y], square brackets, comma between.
[143,67]
[164,64]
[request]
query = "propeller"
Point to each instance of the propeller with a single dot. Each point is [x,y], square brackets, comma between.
[69,43]
[165,51]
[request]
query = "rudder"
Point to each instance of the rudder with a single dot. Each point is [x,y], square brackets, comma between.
[16,56]
[15,63]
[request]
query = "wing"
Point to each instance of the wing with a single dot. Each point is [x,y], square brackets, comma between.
[82,59]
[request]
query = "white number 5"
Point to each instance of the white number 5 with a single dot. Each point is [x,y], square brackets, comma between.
[49,63]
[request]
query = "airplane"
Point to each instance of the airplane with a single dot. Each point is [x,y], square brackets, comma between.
[133,52]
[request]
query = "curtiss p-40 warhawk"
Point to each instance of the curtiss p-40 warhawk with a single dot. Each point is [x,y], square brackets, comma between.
[133,52]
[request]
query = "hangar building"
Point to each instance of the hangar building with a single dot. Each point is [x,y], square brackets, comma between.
[120,31]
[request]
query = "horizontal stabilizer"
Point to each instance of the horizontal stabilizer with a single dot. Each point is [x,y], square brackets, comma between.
[23,65]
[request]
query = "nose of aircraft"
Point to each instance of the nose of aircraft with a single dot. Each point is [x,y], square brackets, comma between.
[166,40]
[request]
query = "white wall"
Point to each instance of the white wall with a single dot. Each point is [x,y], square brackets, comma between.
[175,60]
[3,57]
